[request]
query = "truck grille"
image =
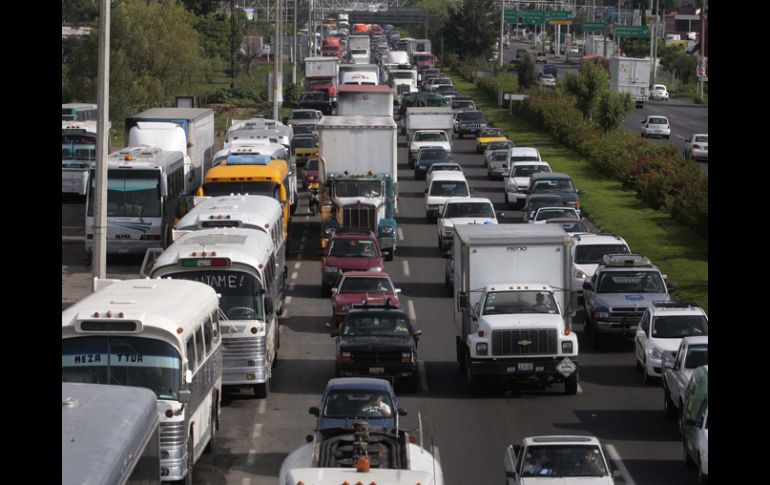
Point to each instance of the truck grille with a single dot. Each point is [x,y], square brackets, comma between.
[172,434]
[626,315]
[514,342]
[359,216]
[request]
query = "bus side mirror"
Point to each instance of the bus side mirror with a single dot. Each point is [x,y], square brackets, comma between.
[184,396]
[150,257]
[462,298]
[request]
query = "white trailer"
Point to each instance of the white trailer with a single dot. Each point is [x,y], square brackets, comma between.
[365,100]
[631,75]
[513,304]
[359,144]
[151,127]
[427,118]
[321,67]
[359,74]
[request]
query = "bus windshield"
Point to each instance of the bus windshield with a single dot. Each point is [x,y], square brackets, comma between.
[241,292]
[122,361]
[130,193]
[266,188]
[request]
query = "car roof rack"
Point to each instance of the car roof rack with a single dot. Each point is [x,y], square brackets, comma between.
[369,306]
[625,260]
[675,304]
[354,230]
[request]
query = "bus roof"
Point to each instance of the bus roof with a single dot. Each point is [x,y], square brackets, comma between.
[260,146]
[154,303]
[244,246]
[275,170]
[79,106]
[251,211]
[143,156]
[88,126]
[104,430]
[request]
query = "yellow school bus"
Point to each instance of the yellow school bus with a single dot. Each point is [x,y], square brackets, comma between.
[253,175]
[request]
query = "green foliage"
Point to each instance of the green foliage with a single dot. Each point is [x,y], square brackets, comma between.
[613,109]
[587,86]
[527,74]
[636,47]
[215,35]
[675,60]
[470,29]
[201,7]
[79,11]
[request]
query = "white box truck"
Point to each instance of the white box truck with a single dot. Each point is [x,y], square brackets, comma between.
[321,67]
[428,118]
[365,100]
[631,75]
[513,304]
[158,127]
[359,74]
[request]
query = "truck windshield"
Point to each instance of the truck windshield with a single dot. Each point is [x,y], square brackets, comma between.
[401,75]
[507,302]
[593,253]
[358,188]
[679,326]
[471,116]
[378,325]
[434,136]
[241,292]
[122,361]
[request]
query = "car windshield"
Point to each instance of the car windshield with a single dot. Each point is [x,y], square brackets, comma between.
[554,185]
[593,253]
[352,403]
[545,214]
[356,284]
[536,203]
[303,142]
[501,156]
[631,282]
[437,167]
[376,325]
[563,461]
[469,209]
[356,248]
[432,136]
[528,170]
[491,132]
[679,326]
[471,116]
[697,355]
[577,226]
[462,104]
[500,145]
[658,121]
[449,188]
[304,115]
[433,154]
[529,158]
[507,302]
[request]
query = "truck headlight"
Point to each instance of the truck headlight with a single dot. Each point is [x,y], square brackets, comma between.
[602,314]
[386,230]
[566,347]
[580,275]
[481,348]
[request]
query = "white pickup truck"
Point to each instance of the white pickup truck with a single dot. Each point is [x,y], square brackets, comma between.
[692,353]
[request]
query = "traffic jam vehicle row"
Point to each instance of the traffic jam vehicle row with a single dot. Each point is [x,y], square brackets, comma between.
[206,319]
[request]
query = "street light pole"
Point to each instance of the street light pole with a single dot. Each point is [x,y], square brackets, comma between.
[99,252]
[502,27]
[702,64]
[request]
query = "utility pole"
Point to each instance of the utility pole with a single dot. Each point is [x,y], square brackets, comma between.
[99,254]
[502,28]
[294,48]
[702,63]
[277,66]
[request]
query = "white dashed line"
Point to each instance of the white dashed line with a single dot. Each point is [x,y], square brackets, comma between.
[286,301]
[294,275]
[680,136]
[246,481]
[406,267]
[257,430]
[580,389]
[297,265]
[262,407]
[412,313]
[618,463]
[436,454]
[400,234]
[252,457]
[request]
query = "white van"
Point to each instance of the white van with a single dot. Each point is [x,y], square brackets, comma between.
[443,187]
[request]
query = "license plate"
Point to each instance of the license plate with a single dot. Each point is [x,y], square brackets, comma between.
[376,370]
[122,236]
[511,368]
[525,366]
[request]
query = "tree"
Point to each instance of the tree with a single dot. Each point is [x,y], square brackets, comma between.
[674,59]
[587,86]
[527,74]
[79,11]
[470,30]
[613,109]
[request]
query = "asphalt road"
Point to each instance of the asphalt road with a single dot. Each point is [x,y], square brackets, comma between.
[686,117]
[469,435]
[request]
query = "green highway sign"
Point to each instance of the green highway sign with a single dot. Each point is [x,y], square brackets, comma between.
[527,16]
[632,31]
[593,27]
[558,15]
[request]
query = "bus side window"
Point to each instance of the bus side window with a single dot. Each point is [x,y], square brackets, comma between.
[193,364]
[199,345]
[207,334]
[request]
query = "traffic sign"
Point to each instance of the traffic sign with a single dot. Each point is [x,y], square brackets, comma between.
[593,27]
[632,31]
[558,15]
[528,17]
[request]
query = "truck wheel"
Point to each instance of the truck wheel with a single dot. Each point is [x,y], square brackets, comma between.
[389,255]
[571,384]
[668,405]
[646,379]
[440,244]
[188,479]
[213,437]
[262,390]
[688,462]
[474,382]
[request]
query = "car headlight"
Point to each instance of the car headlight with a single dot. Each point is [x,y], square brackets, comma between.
[330,269]
[481,348]
[328,231]
[376,269]
[566,347]
[386,230]
[602,314]
[447,231]
[654,352]
[580,275]
[344,308]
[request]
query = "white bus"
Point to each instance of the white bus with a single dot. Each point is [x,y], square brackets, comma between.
[158,334]
[259,146]
[240,265]
[109,434]
[79,112]
[143,187]
[78,155]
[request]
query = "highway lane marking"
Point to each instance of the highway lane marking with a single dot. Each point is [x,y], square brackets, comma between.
[436,454]
[294,275]
[692,122]
[297,265]
[580,389]
[618,463]
[257,430]
[252,457]
[286,301]
[262,407]
[412,314]
[246,481]
[680,136]
[423,376]
[400,234]
[406,267]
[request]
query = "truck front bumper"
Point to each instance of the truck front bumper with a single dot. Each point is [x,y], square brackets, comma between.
[523,368]
[387,242]
[616,328]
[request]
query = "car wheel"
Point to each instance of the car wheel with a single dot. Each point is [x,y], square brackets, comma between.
[440,244]
[571,384]
[213,437]
[668,137]
[473,381]
[638,364]
[325,290]
[668,405]
[688,462]
[646,379]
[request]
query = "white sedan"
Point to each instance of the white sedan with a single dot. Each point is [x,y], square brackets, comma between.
[697,147]
[548,80]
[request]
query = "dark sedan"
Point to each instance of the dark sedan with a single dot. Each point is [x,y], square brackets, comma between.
[426,157]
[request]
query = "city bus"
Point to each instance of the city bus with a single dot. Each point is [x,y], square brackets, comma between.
[78,155]
[144,185]
[240,265]
[110,434]
[253,175]
[162,335]
[79,112]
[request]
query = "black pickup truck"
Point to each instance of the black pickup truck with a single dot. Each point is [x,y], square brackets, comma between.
[323,102]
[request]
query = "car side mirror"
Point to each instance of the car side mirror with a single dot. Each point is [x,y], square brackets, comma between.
[462,300]
[397,290]
[335,291]
[402,412]
[671,286]
[587,285]
[314,411]
[616,474]
[501,215]
[417,333]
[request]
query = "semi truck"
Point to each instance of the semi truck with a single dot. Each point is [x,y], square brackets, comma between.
[359,178]
[359,49]
[631,75]
[513,305]
[160,127]
[332,47]
[365,100]
[321,74]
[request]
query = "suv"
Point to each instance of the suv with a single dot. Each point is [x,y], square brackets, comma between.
[349,250]
[555,183]
[317,100]
[556,459]
[305,117]
[588,251]
[692,353]
[475,210]
[347,398]
[517,181]
[656,126]
[358,287]
[469,122]
[662,328]
[377,341]
[620,291]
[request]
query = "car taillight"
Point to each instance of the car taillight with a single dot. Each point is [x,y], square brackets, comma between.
[696,146]
[344,356]
[406,357]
